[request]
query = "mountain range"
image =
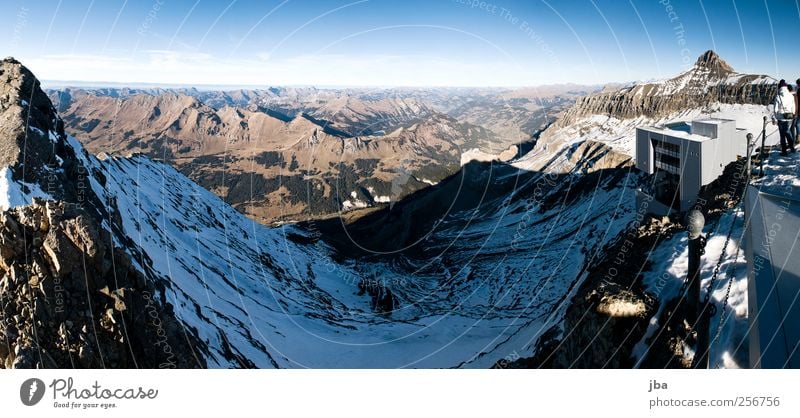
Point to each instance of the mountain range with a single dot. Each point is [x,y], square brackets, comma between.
[139,227]
[288,154]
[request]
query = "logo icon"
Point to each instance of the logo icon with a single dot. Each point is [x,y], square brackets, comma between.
[31,391]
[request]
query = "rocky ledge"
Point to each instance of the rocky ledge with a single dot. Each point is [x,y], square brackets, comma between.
[70,299]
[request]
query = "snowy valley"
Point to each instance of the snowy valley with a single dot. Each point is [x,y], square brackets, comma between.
[476,269]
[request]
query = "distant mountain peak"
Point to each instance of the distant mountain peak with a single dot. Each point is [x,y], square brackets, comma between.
[713,62]
[711,80]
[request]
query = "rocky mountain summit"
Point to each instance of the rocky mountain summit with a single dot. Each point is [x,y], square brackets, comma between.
[69,294]
[710,80]
[70,299]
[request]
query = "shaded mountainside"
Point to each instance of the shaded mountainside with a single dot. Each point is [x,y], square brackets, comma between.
[492,261]
[615,308]
[69,294]
[483,277]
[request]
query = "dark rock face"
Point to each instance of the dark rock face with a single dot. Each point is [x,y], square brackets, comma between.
[27,118]
[32,139]
[711,80]
[71,300]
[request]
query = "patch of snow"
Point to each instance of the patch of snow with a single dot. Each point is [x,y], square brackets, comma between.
[620,134]
[474,154]
[37,130]
[12,192]
[246,288]
[670,269]
[355,204]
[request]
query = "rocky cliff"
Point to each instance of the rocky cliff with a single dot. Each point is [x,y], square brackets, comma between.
[69,294]
[710,80]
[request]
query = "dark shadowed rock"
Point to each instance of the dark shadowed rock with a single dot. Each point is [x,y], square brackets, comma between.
[70,296]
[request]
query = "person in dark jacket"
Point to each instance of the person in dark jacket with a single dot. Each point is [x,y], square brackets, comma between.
[797,110]
[784,112]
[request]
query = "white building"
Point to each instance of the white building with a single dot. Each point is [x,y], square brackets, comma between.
[683,158]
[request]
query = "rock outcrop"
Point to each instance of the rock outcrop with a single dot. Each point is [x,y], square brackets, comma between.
[710,80]
[592,156]
[69,294]
[69,299]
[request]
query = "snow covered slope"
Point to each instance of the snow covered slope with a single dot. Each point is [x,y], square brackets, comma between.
[493,255]
[620,134]
[490,274]
[263,297]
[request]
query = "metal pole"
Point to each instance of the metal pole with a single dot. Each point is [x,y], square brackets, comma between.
[749,155]
[761,150]
[695,221]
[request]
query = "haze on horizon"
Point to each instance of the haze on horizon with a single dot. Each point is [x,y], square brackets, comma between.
[383,43]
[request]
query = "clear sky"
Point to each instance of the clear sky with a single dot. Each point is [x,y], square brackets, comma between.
[394,42]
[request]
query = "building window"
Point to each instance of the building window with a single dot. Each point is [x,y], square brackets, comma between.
[667,156]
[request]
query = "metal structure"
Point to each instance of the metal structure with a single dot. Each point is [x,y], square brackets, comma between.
[773,267]
[684,160]
[761,150]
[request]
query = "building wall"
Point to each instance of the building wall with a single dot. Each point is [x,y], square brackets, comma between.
[720,152]
[702,162]
[691,177]
[644,152]
[773,279]
[710,130]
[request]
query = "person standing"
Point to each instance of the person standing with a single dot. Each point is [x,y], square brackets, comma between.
[792,130]
[796,124]
[784,106]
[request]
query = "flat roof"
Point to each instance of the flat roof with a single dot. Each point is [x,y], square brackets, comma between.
[675,133]
[714,121]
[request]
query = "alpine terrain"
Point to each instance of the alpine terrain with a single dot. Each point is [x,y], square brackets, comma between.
[147,228]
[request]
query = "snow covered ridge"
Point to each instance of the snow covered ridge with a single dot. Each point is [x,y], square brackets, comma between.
[620,133]
[256,297]
[710,80]
[252,296]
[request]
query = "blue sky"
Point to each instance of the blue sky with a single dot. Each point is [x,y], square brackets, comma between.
[394,43]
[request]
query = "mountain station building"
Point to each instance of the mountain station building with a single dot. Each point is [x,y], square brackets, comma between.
[684,157]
